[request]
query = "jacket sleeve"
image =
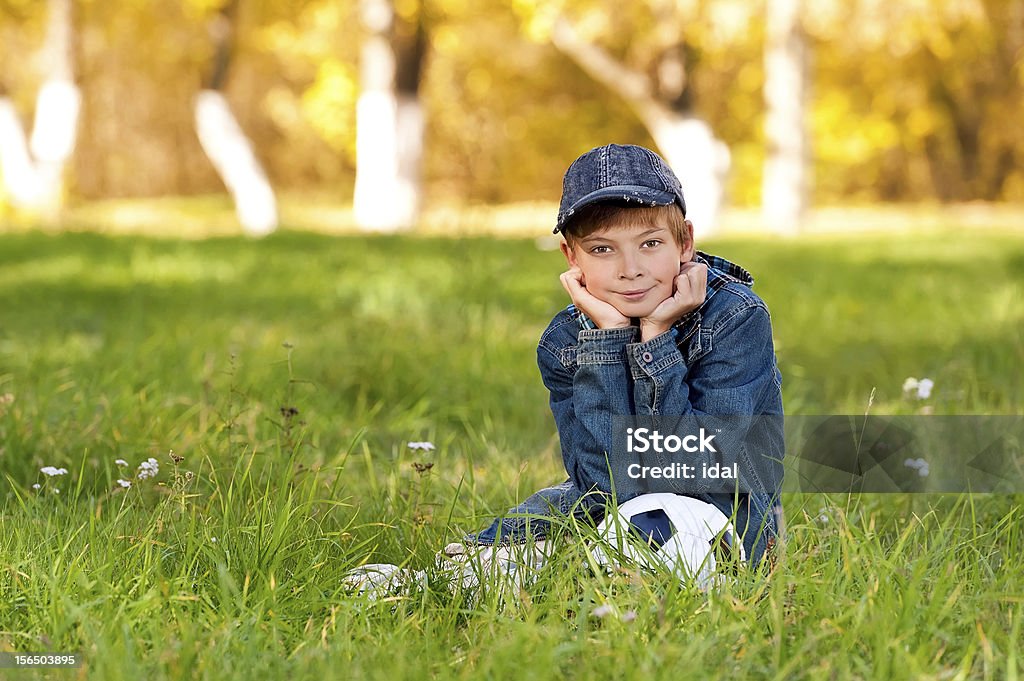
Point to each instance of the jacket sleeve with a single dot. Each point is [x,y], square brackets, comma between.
[584,401]
[729,381]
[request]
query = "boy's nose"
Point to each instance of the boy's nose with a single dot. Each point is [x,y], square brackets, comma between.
[629,268]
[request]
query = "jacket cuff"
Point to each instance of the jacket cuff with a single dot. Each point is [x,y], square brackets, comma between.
[654,356]
[604,346]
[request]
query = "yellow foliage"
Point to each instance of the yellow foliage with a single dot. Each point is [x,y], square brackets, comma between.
[446,40]
[845,136]
[478,82]
[407,9]
[921,122]
[538,18]
[1013,190]
[330,103]
[201,9]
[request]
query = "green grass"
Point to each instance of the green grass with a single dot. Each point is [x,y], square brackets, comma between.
[229,563]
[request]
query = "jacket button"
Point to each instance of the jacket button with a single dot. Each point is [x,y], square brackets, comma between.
[648,357]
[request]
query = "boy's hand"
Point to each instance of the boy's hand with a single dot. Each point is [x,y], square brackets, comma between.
[690,290]
[601,313]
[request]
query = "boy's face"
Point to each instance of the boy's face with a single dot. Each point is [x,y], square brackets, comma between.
[631,267]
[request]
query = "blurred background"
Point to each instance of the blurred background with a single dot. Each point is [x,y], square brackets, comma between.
[779,115]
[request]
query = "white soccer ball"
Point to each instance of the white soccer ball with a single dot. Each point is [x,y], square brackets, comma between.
[669,530]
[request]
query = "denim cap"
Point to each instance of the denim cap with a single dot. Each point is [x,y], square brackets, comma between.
[621,173]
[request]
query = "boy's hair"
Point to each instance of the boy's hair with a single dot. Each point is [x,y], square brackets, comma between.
[598,216]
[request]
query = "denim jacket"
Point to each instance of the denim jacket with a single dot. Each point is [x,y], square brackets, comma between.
[716,360]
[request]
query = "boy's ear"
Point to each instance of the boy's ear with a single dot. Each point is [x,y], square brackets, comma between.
[569,253]
[687,249]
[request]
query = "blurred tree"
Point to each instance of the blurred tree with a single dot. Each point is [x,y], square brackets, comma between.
[390,119]
[646,54]
[223,140]
[34,173]
[507,115]
[918,100]
[784,183]
[912,100]
[289,69]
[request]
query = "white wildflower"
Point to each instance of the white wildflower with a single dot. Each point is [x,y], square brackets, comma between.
[52,471]
[921,389]
[425,446]
[124,483]
[213,539]
[36,486]
[56,490]
[628,616]
[120,462]
[924,388]
[148,469]
[919,464]
[602,611]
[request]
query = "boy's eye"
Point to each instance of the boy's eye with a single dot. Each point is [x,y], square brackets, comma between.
[651,243]
[601,249]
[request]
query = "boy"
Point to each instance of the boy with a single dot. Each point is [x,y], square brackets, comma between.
[655,328]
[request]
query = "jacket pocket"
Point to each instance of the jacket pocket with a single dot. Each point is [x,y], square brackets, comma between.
[567,356]
[699,344]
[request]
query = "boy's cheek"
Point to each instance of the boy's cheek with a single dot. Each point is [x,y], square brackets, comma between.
[605,298]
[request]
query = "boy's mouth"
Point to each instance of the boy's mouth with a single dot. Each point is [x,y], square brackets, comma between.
[636,294]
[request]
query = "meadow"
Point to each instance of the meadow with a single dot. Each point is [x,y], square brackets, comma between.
[278,384]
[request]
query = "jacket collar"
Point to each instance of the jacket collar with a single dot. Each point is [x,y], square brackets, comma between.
[721,271]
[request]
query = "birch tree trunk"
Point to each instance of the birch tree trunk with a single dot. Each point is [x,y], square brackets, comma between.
[34,172]
[389,124]
[16,164]
[699,159]
[226,144]
[785,182]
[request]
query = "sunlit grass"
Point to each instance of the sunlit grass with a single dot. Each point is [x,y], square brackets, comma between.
[231,561]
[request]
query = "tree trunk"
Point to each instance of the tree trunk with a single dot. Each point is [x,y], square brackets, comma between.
[784,185]
[699,159]
[16,164]
[34,173]
[224,141]
[389,123]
